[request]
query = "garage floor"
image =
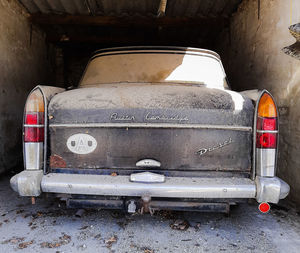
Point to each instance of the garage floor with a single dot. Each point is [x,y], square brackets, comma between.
[48,227]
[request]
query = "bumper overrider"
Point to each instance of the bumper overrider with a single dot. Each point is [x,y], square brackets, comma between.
[263,189]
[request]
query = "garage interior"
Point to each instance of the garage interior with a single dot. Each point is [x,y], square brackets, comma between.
[49,42]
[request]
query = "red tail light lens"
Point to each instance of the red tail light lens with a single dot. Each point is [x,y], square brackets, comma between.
[34,134]
[34,117]
[266,140]
[266,124]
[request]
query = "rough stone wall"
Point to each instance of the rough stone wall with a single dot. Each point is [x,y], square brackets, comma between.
[253,58]
[24,64]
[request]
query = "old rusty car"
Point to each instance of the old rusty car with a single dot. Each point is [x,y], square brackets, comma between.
[151,128]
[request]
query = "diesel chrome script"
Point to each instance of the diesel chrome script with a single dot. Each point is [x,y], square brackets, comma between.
[202,151]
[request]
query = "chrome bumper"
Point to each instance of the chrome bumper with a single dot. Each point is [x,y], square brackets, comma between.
[263,189]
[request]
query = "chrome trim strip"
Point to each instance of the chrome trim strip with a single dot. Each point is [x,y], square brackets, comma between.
[151,125]
[167,49]
[173,187]
[267,131]
[45,129]
[253,172]
[27,125]
[203,54]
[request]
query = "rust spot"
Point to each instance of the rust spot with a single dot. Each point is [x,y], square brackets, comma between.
[57,161]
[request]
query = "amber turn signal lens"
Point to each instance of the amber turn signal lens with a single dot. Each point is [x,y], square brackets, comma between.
[35,102]
[266,106]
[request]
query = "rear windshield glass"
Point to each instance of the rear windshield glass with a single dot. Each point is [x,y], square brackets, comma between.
[155,67]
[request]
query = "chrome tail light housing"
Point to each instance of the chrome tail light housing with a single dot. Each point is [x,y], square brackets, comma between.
[265,136]
[34,130]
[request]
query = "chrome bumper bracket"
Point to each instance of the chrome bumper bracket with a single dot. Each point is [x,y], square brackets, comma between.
[271,189]
[27,183]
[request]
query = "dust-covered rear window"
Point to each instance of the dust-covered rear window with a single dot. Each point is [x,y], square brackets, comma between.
[155,66]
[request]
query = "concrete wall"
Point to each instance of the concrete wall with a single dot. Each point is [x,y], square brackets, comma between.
[252,55]
[24,64]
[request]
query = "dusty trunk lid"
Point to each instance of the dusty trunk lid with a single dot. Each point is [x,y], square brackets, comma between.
[185,127]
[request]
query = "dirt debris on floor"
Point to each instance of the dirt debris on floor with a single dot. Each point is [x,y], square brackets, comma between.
[180,225]
[110,241]
[48,226]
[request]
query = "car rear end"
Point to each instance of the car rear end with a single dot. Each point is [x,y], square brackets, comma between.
[149,132]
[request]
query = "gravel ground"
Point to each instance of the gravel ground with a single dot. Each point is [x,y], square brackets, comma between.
[49,227]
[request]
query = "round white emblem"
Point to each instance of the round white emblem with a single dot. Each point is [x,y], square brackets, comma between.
[81,144]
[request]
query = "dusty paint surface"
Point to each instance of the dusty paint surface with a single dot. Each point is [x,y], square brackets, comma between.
[23,65]
[253,58]
[49,227]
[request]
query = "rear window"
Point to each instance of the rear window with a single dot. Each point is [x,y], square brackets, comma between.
[155,67]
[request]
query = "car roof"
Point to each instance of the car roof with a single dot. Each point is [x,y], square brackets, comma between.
[154,49]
